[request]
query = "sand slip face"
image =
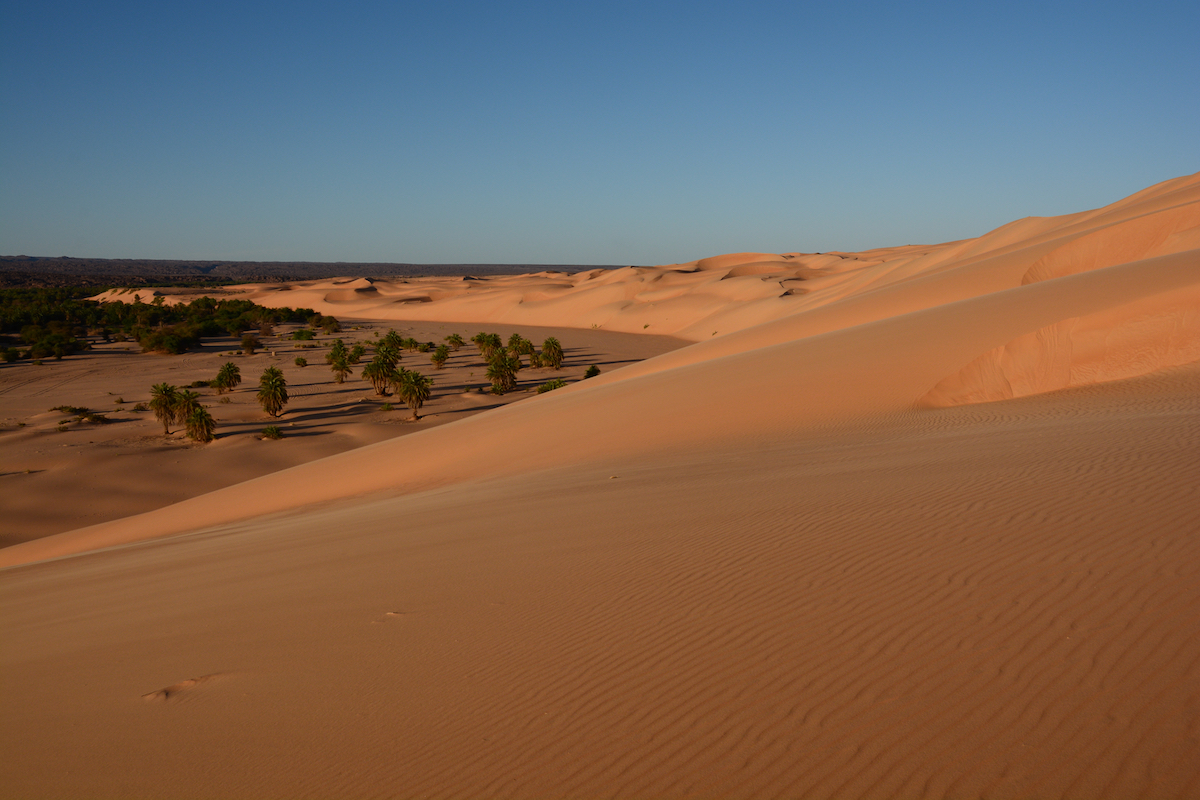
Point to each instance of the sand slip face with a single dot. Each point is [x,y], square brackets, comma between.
[796,559]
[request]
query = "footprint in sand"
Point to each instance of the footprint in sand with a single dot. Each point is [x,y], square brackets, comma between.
[175,691]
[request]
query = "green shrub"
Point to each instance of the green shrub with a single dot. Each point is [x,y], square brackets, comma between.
[592,371]
[272,432]
[386,407]
[301,361]
[550,386]
[303,335]
[141,407]
[250,343]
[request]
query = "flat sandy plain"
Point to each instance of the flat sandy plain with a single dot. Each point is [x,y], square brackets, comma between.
[916,522]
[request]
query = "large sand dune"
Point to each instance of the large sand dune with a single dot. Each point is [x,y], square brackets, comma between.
[806,556]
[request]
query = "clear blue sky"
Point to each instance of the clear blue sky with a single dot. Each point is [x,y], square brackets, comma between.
[583,133]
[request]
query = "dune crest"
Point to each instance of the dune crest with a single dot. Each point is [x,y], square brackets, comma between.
[805,556]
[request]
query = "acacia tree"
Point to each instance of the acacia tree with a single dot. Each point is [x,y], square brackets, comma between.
[272,391]
[163,399]
[552,354]
[250,343]
[414,389]
[228,377]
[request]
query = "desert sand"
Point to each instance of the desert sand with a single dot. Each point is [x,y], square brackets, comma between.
[914,522]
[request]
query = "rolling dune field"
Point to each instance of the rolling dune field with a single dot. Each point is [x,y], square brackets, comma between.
[921,521]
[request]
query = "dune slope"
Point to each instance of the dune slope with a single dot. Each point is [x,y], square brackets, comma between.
[805,557]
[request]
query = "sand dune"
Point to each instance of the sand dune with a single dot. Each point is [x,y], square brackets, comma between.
[806,556]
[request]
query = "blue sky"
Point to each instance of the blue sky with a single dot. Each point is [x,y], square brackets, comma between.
[607,133]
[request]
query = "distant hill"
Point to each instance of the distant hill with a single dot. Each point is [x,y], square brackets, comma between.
[68,271]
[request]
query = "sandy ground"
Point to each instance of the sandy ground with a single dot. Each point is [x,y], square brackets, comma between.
[920,522]
[54,480]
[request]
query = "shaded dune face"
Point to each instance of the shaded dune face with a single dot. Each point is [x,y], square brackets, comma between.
[807,556]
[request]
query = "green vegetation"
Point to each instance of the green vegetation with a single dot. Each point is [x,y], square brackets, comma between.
[250,343]
[228,378]
[303,335]
[502,371]
[413,388]
[440,356]
[81,414]
[380,372]
[550,386]
[52,322]
[272,432]
[186,403]
[356,354]
[272,391]
[552,353]
[488,343]
[455,341]
[592,371]
[163,398]
[301,361]
[339,361]
[200,425]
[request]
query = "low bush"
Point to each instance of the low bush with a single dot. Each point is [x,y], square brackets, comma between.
[592,371]
[301,362]
[272,432]
[550,386]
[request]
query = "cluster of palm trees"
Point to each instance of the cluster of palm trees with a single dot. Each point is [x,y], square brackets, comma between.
[171,404]
[504,361]
[384,373]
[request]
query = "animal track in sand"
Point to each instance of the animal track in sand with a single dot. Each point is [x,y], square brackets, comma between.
[183,687]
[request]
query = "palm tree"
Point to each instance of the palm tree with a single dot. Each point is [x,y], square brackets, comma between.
[394,340]
[439,356]
[337,350]
[552,354]
[228,377]
[502,372]
[388,353]
[201,426]
[272,391]
[487,343]
[163,397]
[186,402]
[379,372]
[413,388]
[341,370]
[455,341]
[339,361]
